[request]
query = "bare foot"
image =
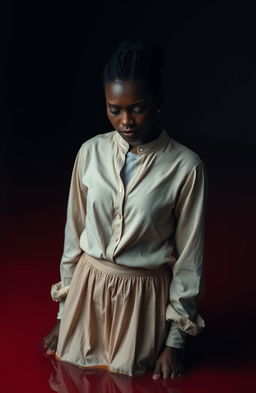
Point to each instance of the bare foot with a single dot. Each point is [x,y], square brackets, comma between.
[169,363]
[50,341]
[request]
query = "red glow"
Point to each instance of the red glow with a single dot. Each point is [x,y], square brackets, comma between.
[219,360]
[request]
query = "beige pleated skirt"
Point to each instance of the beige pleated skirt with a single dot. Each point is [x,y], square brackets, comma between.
[114,316]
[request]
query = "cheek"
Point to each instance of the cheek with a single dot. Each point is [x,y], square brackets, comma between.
[112,119]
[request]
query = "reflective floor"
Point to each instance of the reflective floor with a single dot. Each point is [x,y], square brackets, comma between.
[205,378]
[220,359]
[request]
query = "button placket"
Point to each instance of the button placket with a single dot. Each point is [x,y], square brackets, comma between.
[118,222]
[121,192]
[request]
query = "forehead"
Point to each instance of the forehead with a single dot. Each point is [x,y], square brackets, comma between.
[125,92]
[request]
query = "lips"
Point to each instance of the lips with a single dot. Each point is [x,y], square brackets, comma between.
[129,134]
[128,130]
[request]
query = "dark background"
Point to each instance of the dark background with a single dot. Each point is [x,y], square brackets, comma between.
[52,100]
[52,59]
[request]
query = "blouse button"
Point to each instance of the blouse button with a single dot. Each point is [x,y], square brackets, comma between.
[119,215]
[116,239]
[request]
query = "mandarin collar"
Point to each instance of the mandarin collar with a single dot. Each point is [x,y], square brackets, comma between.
[146,148]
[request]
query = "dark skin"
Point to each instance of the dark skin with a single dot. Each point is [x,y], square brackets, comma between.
[132,106]
[51,339]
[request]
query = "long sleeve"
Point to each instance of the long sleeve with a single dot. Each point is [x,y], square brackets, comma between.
[75,224]
[187,283]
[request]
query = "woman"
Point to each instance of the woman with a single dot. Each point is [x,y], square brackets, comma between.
[135,217]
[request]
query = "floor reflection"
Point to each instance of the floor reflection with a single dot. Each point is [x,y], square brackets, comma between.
[68,378]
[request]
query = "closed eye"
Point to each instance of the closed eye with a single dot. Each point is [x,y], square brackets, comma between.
[136,109]
[114,112]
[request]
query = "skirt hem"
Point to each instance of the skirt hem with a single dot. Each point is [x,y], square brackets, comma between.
[100,366]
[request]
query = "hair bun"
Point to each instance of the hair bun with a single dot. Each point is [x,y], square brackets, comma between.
[136,59]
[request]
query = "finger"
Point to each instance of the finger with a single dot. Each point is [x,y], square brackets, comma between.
[174,373]
[156,372]
[45,342]
[54,343]
[166,373]
[180,373]
[52,347]
[180,369]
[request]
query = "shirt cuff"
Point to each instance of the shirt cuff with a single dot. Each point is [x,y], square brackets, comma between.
[184,323]
[176,337]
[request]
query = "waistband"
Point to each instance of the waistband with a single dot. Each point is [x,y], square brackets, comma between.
[114,268]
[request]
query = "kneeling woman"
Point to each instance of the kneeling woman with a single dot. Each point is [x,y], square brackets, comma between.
[132,265]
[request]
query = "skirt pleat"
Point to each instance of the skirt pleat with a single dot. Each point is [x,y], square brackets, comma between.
[114,316]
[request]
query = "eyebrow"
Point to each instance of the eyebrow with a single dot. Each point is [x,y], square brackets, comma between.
[129,106]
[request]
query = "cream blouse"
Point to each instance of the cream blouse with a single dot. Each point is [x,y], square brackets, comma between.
[159,217]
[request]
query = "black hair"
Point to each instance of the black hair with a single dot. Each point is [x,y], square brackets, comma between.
[136,59]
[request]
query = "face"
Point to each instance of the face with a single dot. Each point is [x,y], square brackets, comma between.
[131,109]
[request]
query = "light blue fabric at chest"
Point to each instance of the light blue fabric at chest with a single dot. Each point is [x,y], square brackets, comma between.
[129,166]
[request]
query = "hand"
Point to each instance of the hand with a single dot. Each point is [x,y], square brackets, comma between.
[50,341]
[169,363]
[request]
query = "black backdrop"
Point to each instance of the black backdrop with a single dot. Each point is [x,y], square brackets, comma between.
[52,98]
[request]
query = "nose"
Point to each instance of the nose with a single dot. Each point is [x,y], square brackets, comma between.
[127,120]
